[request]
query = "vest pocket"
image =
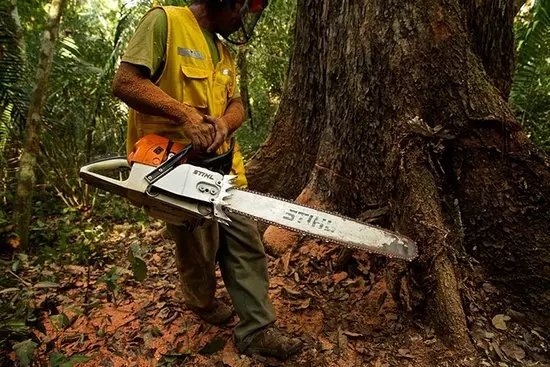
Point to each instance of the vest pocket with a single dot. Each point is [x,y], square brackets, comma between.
[221,91]
[195,86]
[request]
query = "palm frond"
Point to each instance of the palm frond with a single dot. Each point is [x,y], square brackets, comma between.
[533,48]
[14,71]
[530,93]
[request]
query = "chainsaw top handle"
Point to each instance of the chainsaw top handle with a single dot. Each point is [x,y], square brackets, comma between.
[219,163]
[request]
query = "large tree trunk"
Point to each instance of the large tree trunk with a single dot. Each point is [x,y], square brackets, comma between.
[403,104]
[27,163]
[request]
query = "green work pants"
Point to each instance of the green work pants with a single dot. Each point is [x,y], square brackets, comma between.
[240,253]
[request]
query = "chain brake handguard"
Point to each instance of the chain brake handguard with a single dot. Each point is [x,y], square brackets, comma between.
[217,163]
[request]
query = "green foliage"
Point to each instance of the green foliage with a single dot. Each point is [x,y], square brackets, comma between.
[81,119]
[530,95]
[110,279]
[139,268]
[19,313]
[61,360]
[174,359]
[25,352]
[60,321]
[268,61]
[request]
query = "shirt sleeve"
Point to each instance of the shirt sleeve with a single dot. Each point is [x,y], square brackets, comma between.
[147,47]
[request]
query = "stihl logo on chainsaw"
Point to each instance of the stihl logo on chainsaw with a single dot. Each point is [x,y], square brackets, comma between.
[313,220]
[203,174]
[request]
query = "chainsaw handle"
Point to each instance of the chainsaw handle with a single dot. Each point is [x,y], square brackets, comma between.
[168,165]
[176,159]
[90,170]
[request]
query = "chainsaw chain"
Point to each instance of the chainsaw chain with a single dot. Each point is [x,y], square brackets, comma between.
[324,239]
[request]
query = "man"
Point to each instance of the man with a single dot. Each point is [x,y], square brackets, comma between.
[179,81]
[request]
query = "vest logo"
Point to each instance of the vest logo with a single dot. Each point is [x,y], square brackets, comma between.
[190,53]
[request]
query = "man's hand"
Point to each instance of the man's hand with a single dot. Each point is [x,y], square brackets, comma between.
[222,131]
[132,85]
[201,134]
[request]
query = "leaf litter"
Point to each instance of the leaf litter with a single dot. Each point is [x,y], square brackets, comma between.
[103,316]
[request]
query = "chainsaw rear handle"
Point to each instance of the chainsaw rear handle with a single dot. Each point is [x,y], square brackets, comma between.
[92,169]
[222,162]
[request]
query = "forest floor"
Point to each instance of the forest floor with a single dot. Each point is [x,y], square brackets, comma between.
[344,318]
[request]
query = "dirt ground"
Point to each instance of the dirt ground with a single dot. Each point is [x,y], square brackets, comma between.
[345,318]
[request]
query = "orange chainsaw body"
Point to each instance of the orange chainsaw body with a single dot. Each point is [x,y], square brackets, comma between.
[153,149]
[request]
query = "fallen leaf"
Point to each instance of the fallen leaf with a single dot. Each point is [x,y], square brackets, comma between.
[338,277]
[286,261]
[534,332]
[75,269]
[25,351]
[46,285]
[9,290]
[213,346]
[353,335]
[326,345]
[342,341]
[291,292]
[489,288]
[381,299]
[499,321]
[344,297]
[276,282]
[305,304]
[14,242]
[498,351]
[513,351]
[156,332]
[404,353]
[516,315]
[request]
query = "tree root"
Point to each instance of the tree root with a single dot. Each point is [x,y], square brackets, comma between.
[423,219]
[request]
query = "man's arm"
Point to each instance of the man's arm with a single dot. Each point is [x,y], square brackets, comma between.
[234,115]
[226,125]
[132,85]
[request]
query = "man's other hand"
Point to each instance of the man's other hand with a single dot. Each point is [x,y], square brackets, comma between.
[220,126]
[201,134]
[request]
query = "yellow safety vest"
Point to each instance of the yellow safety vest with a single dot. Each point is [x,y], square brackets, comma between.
[189,76]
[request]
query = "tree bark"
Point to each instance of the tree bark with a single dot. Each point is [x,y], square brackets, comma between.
[17,28]
[292,145]
[28,161]
[404,104]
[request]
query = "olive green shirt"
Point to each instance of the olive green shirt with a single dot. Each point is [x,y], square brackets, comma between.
[147,47]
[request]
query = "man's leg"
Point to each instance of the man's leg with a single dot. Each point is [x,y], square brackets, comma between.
[244,269]
[196,247]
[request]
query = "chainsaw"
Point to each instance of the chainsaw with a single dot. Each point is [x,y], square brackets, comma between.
[172,183]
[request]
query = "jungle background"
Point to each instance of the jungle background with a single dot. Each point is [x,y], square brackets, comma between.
[95,283]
